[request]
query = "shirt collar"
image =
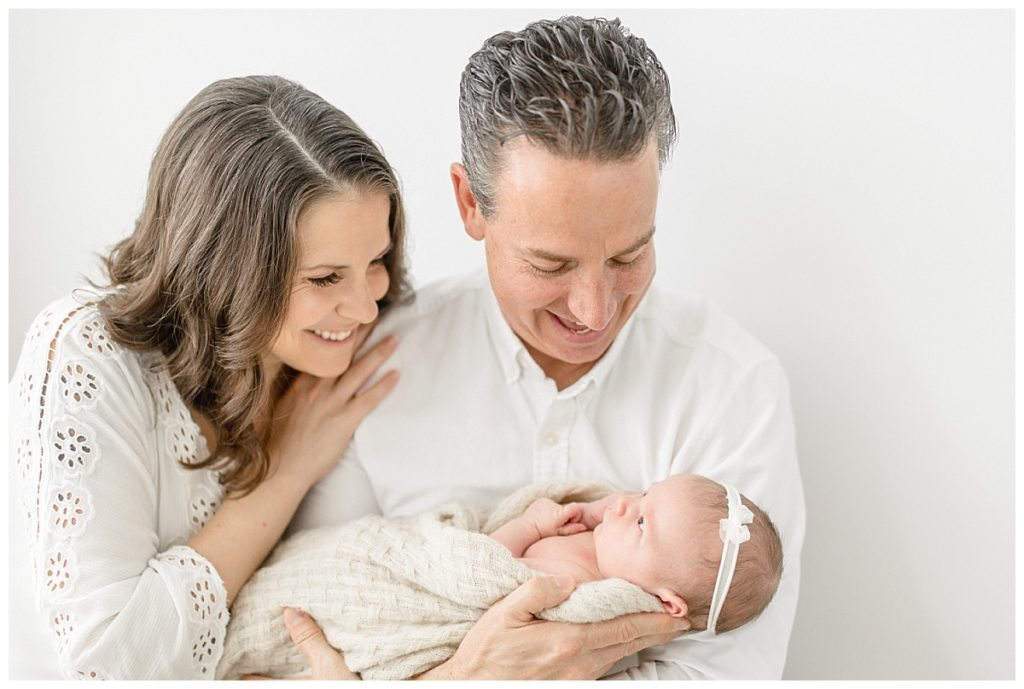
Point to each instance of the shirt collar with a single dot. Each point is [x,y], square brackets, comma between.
[517,363]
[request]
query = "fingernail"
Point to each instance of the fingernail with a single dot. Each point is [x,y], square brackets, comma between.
[682,625]
[292,616]
[564,581]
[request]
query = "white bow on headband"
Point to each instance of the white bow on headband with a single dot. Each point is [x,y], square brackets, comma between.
[732,531]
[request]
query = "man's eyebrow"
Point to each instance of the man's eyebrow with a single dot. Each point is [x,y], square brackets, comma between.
[555,258]
[639,243]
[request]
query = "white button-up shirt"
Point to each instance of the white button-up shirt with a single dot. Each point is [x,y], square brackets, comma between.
[682,389]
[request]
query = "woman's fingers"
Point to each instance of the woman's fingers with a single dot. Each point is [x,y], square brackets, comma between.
[324,662]
[363,368]
[367,400]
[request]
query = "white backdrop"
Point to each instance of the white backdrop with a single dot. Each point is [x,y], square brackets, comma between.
[842,186]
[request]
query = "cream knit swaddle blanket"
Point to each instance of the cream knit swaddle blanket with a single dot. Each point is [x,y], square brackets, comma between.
[397,596]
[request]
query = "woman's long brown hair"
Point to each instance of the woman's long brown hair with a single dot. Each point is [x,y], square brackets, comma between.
[206,275]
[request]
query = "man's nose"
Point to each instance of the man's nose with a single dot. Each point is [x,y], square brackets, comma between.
[591,300]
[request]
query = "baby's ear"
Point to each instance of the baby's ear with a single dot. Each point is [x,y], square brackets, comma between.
[672,602]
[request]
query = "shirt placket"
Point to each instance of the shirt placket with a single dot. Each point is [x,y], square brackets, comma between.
[551,445]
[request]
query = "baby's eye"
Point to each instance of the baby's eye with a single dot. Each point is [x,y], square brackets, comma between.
[640,523]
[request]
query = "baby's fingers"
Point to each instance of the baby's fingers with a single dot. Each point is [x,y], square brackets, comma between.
[571,528]
[573,512]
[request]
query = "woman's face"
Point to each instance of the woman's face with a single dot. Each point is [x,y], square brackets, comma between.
[342,241]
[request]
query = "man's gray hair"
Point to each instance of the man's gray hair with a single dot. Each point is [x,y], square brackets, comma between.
[582,88]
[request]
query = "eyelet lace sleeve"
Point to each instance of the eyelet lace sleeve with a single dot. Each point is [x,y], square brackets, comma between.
[94,483]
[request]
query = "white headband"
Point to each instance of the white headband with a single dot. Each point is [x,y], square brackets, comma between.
[732,532]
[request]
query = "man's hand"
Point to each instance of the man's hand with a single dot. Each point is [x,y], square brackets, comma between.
[509,642]
[552,519]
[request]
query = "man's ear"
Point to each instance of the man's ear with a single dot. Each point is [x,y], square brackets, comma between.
[469,209]
[671,601]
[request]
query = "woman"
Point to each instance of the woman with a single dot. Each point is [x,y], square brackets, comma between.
[165,430]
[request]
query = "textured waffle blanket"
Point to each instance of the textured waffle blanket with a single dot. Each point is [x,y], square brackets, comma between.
[398,595]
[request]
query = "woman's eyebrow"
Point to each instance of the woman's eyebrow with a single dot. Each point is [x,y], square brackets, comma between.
[322,266]
[340,266]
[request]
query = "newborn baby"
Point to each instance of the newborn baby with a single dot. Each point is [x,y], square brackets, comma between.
[397,595]
[678,541]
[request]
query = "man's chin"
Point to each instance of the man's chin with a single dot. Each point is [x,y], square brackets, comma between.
[576,356]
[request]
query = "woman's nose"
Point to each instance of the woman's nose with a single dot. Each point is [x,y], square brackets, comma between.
[359,305]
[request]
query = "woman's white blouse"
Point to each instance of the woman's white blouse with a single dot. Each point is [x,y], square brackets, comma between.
[105,507]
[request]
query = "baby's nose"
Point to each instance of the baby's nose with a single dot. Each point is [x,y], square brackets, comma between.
[621,505]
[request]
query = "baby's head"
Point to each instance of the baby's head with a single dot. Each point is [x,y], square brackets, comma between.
[666,540]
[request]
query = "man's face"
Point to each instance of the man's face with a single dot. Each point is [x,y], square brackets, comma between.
[569,251]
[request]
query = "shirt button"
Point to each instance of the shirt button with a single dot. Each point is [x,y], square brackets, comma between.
[551,439]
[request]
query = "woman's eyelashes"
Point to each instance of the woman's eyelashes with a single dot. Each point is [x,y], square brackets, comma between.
[335,278]
[326,280]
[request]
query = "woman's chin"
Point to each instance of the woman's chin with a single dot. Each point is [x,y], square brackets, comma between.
[324,369]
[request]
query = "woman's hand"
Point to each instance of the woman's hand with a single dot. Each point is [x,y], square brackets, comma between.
[316,417]
[508,642]
[313,424]
[324,662]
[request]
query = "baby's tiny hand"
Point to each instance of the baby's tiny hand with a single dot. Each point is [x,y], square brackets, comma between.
[593,512]
[572,516]
[552,519]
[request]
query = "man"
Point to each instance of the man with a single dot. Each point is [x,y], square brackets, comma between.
[565,363]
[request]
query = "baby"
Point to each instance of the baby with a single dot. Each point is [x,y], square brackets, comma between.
[397,595]
[679,541]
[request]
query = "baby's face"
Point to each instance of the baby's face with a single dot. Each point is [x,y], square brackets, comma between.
[645,536]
